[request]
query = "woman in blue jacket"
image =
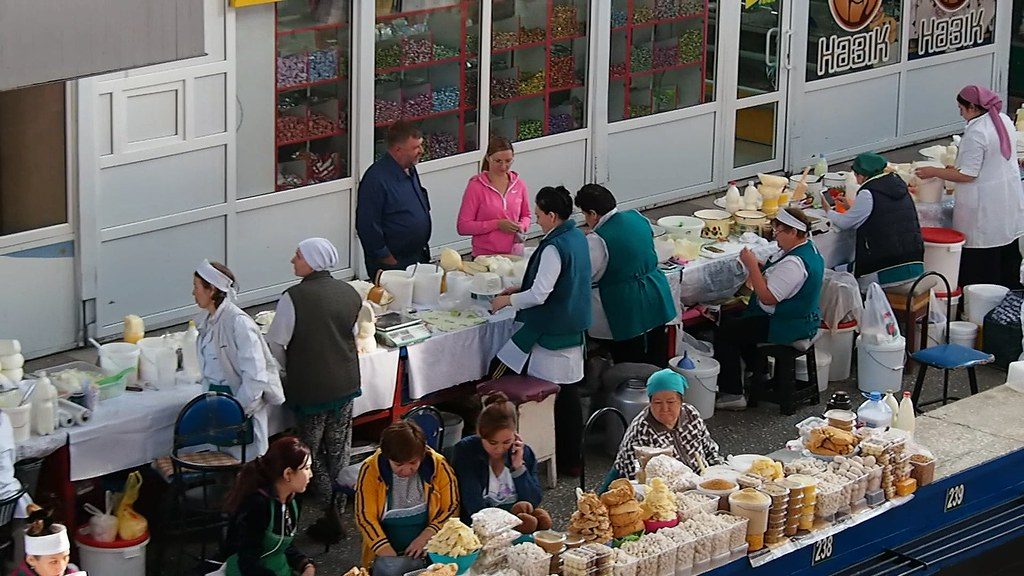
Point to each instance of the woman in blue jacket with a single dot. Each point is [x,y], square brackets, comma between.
[495,469]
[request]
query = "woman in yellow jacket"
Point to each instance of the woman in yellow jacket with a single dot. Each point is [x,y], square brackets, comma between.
[405,492]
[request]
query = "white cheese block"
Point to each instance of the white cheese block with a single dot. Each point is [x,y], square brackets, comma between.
[12,361]
[14,375]
[8,347]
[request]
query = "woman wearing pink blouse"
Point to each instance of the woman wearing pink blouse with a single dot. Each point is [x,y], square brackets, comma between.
[495,206]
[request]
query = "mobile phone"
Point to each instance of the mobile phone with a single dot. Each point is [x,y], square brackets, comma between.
[714,249]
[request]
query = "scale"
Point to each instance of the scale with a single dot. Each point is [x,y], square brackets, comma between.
[395,330]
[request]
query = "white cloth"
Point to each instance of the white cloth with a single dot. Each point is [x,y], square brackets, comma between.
[784,279]
[283,327]
[599,327]
[232,353]
[9,485]
[857,215]
[319,253]
[989,210]
[217,279]
[563,366]
[447,359]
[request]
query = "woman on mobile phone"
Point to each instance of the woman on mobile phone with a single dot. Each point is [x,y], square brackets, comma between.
[495,469]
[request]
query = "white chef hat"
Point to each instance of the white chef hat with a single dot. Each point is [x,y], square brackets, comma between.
[319,253]
[217,279]
[56,542]
[784,217]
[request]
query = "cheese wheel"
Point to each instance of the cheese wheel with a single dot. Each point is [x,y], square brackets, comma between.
[13,375]
[450,260]
[12,361]
[772,180]
[8,347]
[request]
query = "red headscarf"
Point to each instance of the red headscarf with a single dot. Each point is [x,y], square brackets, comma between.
[989,100]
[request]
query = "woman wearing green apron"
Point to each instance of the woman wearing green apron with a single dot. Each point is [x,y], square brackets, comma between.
[405,492]
[265,515]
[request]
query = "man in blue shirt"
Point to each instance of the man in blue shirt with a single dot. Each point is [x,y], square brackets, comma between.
[393,210]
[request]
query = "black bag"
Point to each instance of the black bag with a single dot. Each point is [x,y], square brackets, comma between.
[1001,334]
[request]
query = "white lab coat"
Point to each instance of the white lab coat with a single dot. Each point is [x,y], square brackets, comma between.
[233,353]
[989,210]
[9,485]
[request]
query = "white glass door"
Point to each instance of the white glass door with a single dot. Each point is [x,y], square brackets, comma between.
[756,71]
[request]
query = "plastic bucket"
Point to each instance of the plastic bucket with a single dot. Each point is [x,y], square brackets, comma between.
[880,366]
[963,333]
[703,380]
[936,334]
[823,360]
[980,299]
[930,190]
[954,302]
[839,345]
[158,361]
[453,424]
[117,558]
[118,356]
[942,249]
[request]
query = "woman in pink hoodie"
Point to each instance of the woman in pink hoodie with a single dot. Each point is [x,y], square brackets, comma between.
[495,206]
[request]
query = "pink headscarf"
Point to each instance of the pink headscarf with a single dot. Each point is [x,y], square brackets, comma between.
[990,101]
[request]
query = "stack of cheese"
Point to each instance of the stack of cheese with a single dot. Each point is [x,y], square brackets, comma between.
[590,520]
[624,511]
[11,363]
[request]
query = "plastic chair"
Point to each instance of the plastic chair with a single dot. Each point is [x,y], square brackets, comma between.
[430,420]
[586,431]
[945,357]
[201,481]
[782,388]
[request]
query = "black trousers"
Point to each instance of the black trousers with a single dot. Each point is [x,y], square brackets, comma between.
[999,265]
[404,261]
[648,348]
[737,339]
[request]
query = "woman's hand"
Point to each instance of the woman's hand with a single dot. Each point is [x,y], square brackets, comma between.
[510,226]
[509,291]
[517,453]
[415,549]
[309,570]
[387,550]
[926,172]
[749,260]
[500,301]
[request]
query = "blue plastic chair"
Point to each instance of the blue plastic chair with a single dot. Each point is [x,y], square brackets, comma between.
[429,420]
[946,356]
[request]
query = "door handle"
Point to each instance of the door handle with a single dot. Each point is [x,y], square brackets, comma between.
[787,46]
[768,46]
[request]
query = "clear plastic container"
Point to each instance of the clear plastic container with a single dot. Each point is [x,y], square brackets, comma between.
[625,567]
[702,566]
[694,503]
[830,498]
[738,552]
[736,530]
[719,560]
[923,469]
[667,561]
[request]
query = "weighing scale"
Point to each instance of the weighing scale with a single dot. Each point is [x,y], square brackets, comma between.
[395,330]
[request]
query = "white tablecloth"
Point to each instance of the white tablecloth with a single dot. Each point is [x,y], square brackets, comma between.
[450,358]
[41,446]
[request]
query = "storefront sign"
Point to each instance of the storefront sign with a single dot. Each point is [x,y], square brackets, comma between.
[943,26]
[842,53]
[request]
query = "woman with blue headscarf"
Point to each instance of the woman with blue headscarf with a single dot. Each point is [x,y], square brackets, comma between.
[313,337]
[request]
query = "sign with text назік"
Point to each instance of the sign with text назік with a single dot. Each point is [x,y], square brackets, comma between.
[944,26]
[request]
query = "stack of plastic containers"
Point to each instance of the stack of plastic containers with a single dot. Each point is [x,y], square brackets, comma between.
[776,512]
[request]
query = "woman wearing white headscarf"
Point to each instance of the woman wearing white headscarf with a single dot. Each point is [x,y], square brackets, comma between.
[313,337]
[233,356]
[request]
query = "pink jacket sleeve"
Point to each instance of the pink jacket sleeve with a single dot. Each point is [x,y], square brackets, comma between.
[525,214]
[467,223]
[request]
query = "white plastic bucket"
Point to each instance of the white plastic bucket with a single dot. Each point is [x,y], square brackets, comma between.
[936,335]
[426,283]
[453,424]
[963,333]
[127,561]
[954,303]
[880,366]
[839,345]
[823,360]
[944,258]
[1015,373]
[980,299]
[930,190]
[703,383]
[158,361]
[117,356]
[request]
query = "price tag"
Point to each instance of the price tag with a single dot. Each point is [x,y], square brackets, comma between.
[954,497]
[822,550]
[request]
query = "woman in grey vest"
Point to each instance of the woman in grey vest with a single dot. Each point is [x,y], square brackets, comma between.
[313,336]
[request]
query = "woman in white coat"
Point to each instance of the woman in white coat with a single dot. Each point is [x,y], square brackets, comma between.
[989,198]
[233,355]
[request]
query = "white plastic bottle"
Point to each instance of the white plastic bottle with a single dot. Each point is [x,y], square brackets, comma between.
[874,413]
[893,405]
[905,421]
[733,200]
[751,197]
[821,166]
[44,406]
[190,353]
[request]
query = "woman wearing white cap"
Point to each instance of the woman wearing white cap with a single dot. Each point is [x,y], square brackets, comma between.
[233,356]
[783,310]
[47,552]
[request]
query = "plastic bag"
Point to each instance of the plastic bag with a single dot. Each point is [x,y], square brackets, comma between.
[130,524]
[878,323]
[711,281]
[840,299]
[102,524]
[936,312]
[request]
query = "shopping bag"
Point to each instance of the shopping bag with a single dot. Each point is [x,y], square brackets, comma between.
[878,323]
[130,524]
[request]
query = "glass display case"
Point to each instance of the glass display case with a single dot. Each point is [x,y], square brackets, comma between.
[426,72]
[313,66]
[660,59]
[539,54]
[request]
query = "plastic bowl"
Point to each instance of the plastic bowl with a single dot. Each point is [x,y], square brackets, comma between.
[682,226]
[651,526]
[463,562]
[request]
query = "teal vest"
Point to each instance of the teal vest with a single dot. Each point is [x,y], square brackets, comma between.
[563,318]
[799,317]
[634,292]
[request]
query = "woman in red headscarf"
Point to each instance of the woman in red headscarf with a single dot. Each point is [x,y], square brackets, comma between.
[989,198]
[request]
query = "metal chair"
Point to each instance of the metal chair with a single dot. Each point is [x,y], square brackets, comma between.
[430,420]
[586,430]
[945,357]
[200,481]
[7,507]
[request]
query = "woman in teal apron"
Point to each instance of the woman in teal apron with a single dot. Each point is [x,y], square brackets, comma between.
[265,515]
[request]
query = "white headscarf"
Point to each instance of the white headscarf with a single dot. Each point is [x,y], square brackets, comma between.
[217,279]
[319,253]
[791,221]
[56,542]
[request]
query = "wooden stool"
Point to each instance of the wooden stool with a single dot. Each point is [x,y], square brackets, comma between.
[919,307]
[781,388]
[535,403]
